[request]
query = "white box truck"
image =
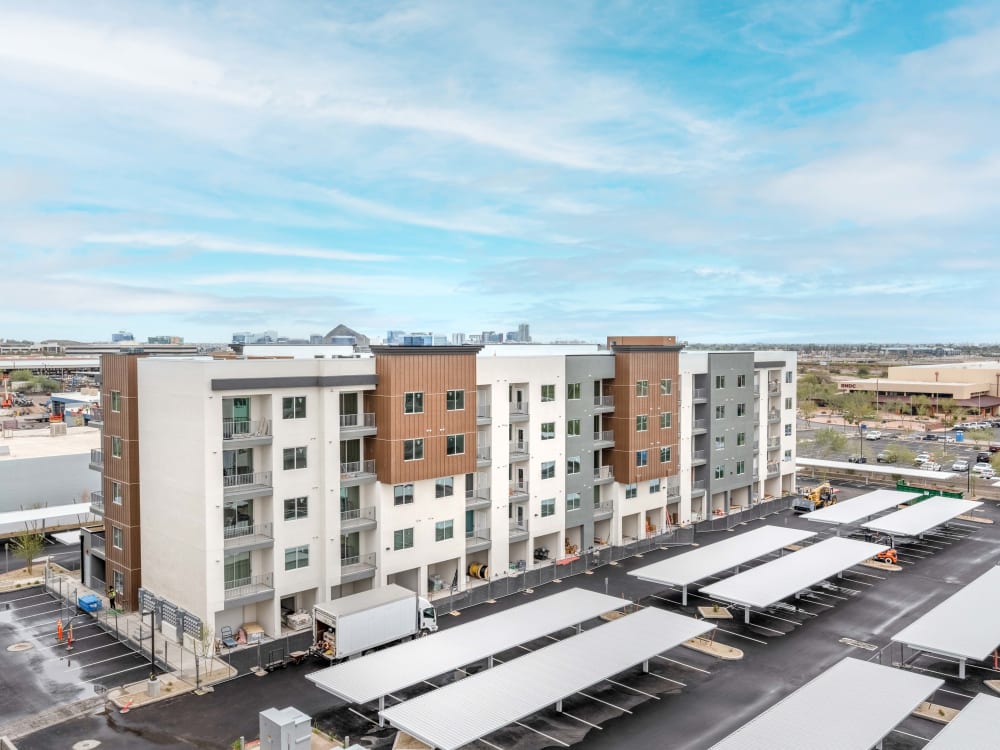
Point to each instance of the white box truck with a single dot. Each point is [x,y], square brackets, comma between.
[350,626]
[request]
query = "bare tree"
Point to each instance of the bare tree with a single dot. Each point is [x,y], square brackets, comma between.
[28,545]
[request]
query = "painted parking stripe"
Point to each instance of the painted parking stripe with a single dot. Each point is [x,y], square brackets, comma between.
[687,666]
[546,736]
[599,700]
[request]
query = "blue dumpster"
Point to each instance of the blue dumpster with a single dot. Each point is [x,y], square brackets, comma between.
[89,602]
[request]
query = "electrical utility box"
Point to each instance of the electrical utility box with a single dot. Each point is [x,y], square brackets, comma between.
[285,729]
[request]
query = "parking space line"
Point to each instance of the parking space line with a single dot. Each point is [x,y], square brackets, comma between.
[47,603]
[546,736]
[39,614]
[637,690]
[353,711]
[862,583]
[867,575]
[761,627]
[915,736]
[100,661]
[582,721]
[24,598]
[689,666]
[952,692]
[495,747]
[100,677]
[824,593]
[87,651]
[599,700]
[820,604]
[739,635]
[667,679]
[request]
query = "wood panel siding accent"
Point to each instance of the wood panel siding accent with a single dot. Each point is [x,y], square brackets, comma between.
[650,358]
[432,371]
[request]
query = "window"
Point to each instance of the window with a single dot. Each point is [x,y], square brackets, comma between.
[444,530]
[116,447]
[293,407]
[741,410]
[116,400]
[413,450]
[788,376]
[297,557]
[402,494]
[572,391]
[720,412]
[654,486]
[666,386]
[573,427]
[548,430]
[548,507]
[741,438]
[572,501]
[116,537]
[741,467]
[642,388]
[641,423]
[117,580]
[402,539]
[720,382]
[413,402]
[294,458]
[548,393]
[665,420]
[631,490]
[741,381]
[720,472]
[456,400]
[296,507]
[720,442]
[573,465]
[788,455]
[642,458]
[665,455]
[548,469]
[456,445]
[116,493]
[444,487]
[788,402]
[788,430]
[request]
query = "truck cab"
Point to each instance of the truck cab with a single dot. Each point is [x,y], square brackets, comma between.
[428,616]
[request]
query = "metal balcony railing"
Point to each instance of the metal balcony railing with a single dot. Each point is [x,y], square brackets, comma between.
[516,528]
[482,411]
[700,424]
[358,561]
[358,514]
[97,502]
[519,408]
[242,429]
[673,489]
[698,455]
[604,472]
[96,458]
[604,400]
[773,388]
[357,469]
[774,416]
[481,493]
[366,419]
[699,393]
[607,506]
[483,453]
[698,484]
[474,535]
[241,533]
[773,469]
[248,479]
[518,488]
[773,443]
[240,587]
[97,543]
[519,447]
[606,436]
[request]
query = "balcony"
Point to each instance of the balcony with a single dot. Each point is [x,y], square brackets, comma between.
[699,395]
[359,519]
[604,404]
[698,486]
[698,457]
[247,432]
[96,460]
[357,425]
[519,450]
[773,470]
[518,492]
[357,568]
[478,498]
[604,439]
[243,591]
[604,474]
[482,414]
[699,426]
[477,539]
[517,530]
[97,503]
[96,417]
[248,484]
[773,416]
[604,510]
[483,456]
[673,489]
[354,473]
[97,545]
[244,536]
[773,443]
[518,411]
[774,388]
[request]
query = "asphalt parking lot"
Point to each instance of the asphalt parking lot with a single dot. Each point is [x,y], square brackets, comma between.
[689,701]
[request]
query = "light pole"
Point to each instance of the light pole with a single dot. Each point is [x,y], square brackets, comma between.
[152,641]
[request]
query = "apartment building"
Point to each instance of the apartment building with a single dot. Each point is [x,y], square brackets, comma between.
[269,485]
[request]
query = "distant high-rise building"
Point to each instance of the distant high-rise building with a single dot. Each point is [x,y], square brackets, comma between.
[122,336]
[248,337]
[440,341]
[418,339]
[394,338]
[524,333]
[164,340]
[511,337]
[458,338]
[316,338]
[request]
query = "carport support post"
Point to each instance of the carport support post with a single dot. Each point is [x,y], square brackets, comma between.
[559,706]
[645,667]
[381,708]
[961,669]
[746,615]
[489,662]
[684,595]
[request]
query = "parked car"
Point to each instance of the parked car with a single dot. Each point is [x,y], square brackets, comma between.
[960,465]
[983,457]
[858,460]
[930,436]
[985,471]
[930,466]
[921,458]
[873,435]
[886,457]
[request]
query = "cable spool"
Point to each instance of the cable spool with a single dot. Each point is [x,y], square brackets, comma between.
[479,570]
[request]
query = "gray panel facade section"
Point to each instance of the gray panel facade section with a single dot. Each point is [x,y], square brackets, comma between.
[303,381]
[770,365]
[584,369]
[730,365]
[47,480]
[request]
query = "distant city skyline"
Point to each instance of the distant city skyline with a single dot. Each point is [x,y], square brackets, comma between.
[755,172]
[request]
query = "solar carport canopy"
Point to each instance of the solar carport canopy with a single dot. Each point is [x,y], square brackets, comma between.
[863,506]
[373,676]
[700,563]
[851,706]
[966,625]
[462,712]
[780,578]
[975,727]
[922,517]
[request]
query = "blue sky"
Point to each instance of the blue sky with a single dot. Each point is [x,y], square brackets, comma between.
[722,172]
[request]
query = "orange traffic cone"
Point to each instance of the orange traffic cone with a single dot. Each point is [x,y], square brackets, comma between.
[59,632]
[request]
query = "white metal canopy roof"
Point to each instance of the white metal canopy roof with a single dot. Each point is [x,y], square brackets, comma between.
[821,463]
[851,706]
[922,517]
[700,563]
[780,578]
[40,518]
[860,507]
[965,625]
[975,727]
[462,712]
[370,677]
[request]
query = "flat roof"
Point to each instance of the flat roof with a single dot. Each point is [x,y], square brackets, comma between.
[705,561]
[38,443]
[375,597]
[820,463]
[966,625]
[924,516]
[836,710]
[780,578]
[860,507]
[462,712]
[49,515]
[365,679]
[975,727]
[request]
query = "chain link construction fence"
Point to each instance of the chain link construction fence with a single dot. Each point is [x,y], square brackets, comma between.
[753,513]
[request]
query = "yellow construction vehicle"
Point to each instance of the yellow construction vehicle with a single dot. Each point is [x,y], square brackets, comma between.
[814,498]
